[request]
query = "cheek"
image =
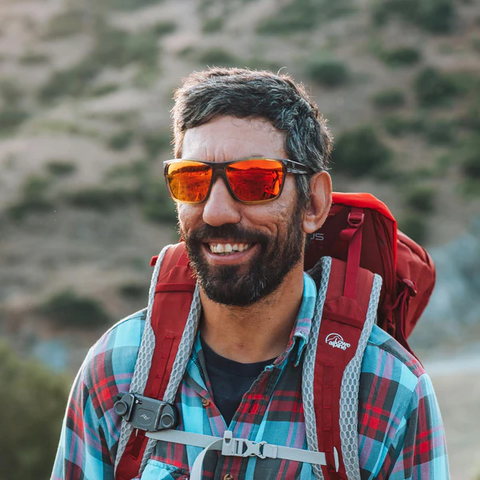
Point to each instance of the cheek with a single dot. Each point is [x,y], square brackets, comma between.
[188,216]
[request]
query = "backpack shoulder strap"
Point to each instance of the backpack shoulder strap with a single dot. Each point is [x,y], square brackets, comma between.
[169,311]
[344,324]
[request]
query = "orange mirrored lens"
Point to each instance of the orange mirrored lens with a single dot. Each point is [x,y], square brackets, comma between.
[255,180]
[189,181]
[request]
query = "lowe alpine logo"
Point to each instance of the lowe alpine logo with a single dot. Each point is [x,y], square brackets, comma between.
[335,340]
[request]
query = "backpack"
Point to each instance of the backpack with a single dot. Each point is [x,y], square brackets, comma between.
[357,247]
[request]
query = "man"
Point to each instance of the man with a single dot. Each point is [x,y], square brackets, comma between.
[246,248]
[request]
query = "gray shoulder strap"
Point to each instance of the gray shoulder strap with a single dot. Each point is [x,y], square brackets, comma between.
[144,360]
[350,380]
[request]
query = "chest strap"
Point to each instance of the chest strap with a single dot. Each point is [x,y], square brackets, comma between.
[236,447]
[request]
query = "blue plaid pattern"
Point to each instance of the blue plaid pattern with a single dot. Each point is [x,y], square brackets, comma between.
[400,430]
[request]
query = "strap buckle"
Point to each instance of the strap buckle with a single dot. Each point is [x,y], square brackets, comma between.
[355,219]
[241,447]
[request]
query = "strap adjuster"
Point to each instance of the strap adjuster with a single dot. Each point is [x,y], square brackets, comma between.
[355,219]
[241,447]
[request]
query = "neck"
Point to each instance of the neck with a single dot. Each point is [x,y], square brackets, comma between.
[259,331]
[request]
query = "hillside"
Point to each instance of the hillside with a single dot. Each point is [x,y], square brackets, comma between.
[84,124]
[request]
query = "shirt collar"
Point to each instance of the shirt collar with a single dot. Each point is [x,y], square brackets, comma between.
[301,332]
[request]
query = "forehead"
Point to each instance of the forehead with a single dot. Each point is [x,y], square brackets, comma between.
[227,138]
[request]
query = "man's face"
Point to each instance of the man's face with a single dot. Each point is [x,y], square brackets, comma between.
[240,253]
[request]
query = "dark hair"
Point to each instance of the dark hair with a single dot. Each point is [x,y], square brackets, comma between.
[247,93]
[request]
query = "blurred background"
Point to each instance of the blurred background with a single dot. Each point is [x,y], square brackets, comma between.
[85,93]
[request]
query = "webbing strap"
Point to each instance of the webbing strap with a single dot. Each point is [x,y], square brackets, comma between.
[354,235]
[170,299]
[236,447]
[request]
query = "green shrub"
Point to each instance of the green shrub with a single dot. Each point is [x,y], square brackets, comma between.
[146,76]
[158,206]
[100,199]
[328,72]
[398,126]
[32,402]
[121,140]
[33,199]
[471,118]
[11,117]
[10,92]
[114,48]
[421,199]
[104,89]
[72,81]
[388,99]
[139,169]
[34,58]
[134,291]
[415,226]
[441,132]
[360,153]
[470,156]
[476,44]
[436,16]
[68,309]
[212,24]
[118,48]
[130,4]
[164,27]
[156,142]
[301,15]
[64,126]
[61,168]
[383,10]
[69,22]
[187,52]
[401,56]
[218,57]
[434,88]
[35,187]
[29,206]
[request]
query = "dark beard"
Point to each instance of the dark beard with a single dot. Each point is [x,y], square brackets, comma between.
[267,269]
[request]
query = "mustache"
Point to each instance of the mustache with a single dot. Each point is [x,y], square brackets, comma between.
[226,232]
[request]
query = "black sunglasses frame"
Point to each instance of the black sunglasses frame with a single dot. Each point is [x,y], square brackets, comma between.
[218,170]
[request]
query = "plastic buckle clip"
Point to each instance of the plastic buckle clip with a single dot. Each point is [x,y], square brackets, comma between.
[241,447]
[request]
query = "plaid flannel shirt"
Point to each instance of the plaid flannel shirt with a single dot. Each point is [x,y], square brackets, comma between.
[400,430]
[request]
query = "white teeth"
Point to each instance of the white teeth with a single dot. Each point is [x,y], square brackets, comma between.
[227,248]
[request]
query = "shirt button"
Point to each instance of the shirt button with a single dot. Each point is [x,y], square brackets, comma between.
[228,476]
[206,403]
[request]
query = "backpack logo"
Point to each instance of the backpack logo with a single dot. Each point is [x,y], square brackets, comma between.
[335,340]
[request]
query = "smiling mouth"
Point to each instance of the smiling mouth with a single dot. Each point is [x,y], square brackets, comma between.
[228,248]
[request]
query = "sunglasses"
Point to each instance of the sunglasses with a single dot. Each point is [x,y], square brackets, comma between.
[249,180]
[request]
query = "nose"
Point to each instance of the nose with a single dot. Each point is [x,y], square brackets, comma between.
[220,207]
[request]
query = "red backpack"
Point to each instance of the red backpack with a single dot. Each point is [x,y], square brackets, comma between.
[361,231]
[360,234]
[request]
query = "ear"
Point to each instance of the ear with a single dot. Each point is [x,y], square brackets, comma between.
[320,202]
